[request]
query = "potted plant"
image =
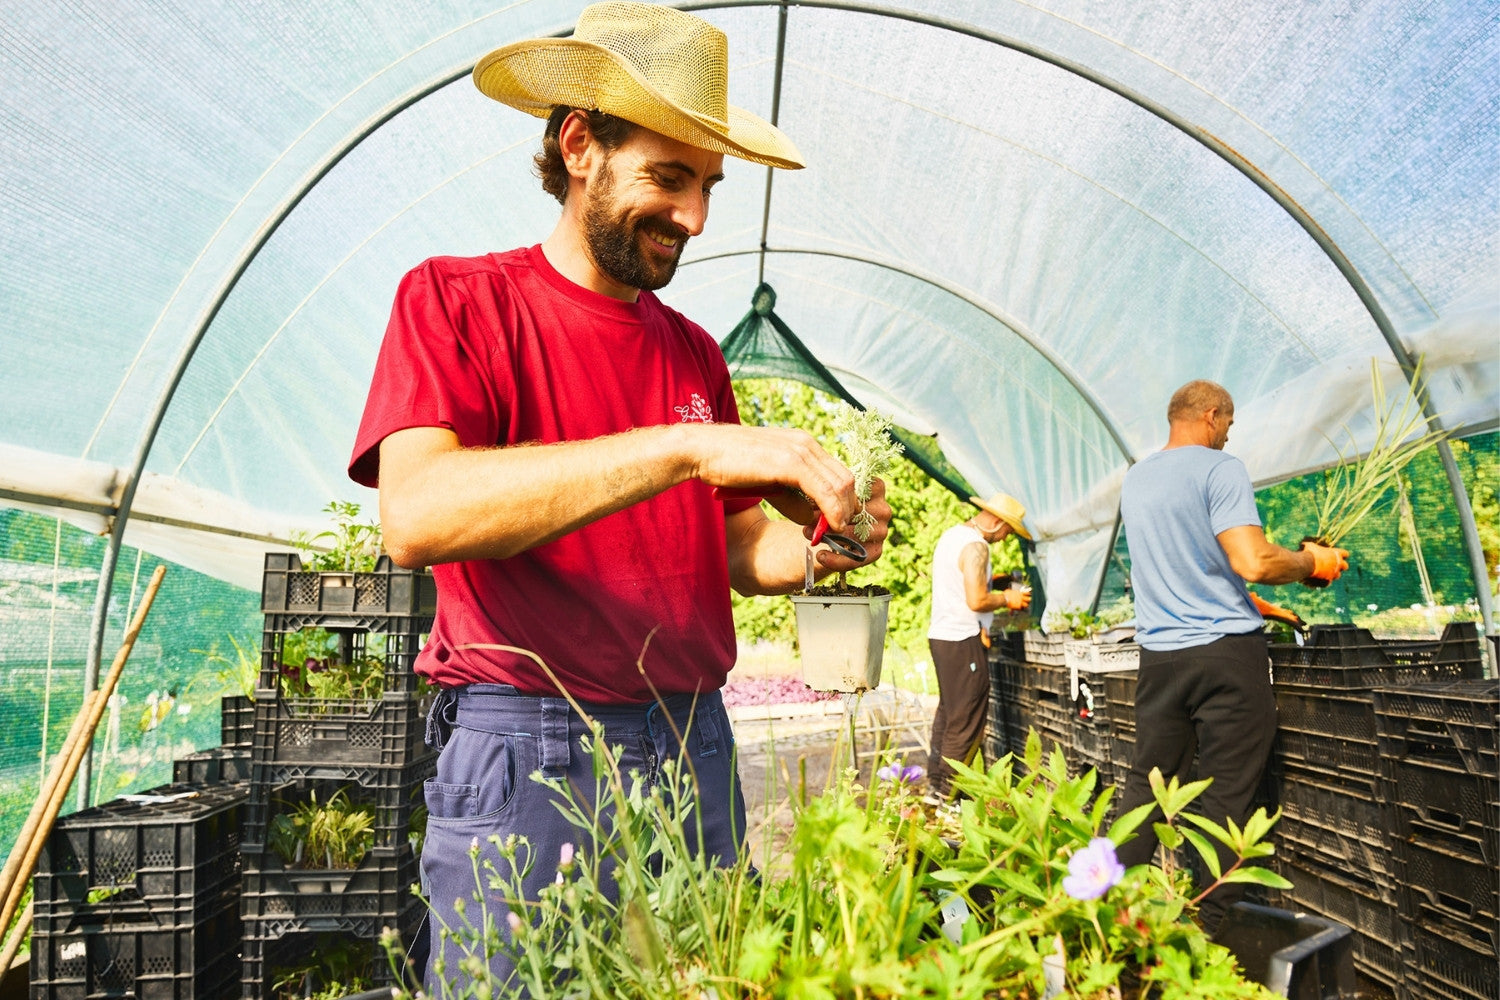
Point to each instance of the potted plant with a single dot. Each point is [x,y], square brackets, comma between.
[318,840]
[841,629]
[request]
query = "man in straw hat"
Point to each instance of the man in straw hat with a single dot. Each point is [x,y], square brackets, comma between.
[962,606]
[1204,681]
[548,436]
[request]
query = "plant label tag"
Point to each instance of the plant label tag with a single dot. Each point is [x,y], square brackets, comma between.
[955,913]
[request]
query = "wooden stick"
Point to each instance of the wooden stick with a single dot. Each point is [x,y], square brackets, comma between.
[29,844]
[14,946]
[44,794]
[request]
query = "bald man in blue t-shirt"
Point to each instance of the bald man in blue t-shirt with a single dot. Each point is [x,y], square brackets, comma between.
[1195,537]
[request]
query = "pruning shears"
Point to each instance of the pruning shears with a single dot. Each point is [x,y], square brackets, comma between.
[845,546]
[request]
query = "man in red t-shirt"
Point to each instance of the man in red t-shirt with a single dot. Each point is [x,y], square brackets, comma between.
[547,436]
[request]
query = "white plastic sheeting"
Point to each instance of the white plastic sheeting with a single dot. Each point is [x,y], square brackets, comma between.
[1012,254]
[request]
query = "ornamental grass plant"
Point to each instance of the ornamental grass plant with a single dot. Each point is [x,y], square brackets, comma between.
[873,894]
[1352,488]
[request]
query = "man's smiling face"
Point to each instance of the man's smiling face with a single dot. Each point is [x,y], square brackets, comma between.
[645,200]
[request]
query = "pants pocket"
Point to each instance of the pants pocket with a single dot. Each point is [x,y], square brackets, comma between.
[476,776]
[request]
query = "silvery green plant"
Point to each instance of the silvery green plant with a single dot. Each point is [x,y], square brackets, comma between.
[864,444]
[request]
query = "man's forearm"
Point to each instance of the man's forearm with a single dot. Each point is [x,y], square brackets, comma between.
[769,557]
[491,503]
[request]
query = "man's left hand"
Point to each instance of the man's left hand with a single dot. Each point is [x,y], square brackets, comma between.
[1016,598]
[1271,611]
[880,511]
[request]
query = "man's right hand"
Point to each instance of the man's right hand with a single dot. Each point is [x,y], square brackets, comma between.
[1328,562]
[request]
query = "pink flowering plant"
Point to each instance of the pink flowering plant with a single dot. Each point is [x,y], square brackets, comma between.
[873,894]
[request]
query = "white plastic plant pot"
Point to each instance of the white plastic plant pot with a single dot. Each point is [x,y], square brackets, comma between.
[841,639]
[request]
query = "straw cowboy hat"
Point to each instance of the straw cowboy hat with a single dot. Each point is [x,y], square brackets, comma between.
[1008,509]
[655,66]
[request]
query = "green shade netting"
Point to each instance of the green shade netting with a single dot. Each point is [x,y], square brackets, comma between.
[762,346]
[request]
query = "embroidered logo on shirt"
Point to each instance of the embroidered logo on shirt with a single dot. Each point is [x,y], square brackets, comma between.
[696,412]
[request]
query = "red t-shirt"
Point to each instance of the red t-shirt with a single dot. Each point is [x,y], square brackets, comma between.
[503,349]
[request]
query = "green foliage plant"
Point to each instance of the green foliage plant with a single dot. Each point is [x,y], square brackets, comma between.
[338,967]
[1080,623]
[864,444]
[336,834]
[1353,487]
[858,902]
[350,546]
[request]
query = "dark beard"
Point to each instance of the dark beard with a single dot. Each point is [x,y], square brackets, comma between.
[614,243]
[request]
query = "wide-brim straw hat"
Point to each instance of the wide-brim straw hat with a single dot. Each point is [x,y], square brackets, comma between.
[656,66]
[1008,509]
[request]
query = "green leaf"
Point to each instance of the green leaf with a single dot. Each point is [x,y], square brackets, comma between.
[1205,850]
[1257,876]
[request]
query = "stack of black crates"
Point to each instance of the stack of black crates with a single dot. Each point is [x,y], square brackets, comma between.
[1342,841]
[1005,731]
[372,750]
[1440,781]
[1031,687]
[140,897]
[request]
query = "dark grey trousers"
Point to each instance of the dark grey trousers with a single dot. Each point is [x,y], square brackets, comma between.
[963,674]
[1215,699]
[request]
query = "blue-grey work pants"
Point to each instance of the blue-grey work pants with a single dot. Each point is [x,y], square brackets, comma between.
[493,739]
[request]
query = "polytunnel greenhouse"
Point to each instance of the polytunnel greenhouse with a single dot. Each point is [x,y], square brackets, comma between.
[1021,226]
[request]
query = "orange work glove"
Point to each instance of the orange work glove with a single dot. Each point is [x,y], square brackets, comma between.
[1016,599]
[1328,562]
[1269,610]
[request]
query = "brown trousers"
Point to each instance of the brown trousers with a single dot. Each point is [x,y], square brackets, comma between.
[963,674]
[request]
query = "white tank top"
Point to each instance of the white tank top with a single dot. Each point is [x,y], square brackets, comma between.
[952,618]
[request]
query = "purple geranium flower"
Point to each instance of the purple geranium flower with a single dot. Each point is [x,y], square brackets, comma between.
[1092,870]
[900,773]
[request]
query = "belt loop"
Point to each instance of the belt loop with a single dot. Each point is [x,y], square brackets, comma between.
[557,750]
[706,721]
[441,718]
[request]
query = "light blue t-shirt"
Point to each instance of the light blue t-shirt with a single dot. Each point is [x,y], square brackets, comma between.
[1174,504]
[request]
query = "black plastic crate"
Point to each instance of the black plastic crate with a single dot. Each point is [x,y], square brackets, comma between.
[1454,958]
[214,766]
[1450,722]
[157,863]
[237,721]
[1455,874]
[401,638]
[287,588]
[275,942]
[388,731]
[1380,935]
[1443,797]
[1350,759]
[1373,857]
[1341,803]
[197,961]
[1119,691]
[379,888]
[393,792]
[1346,656]
[1349,715]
